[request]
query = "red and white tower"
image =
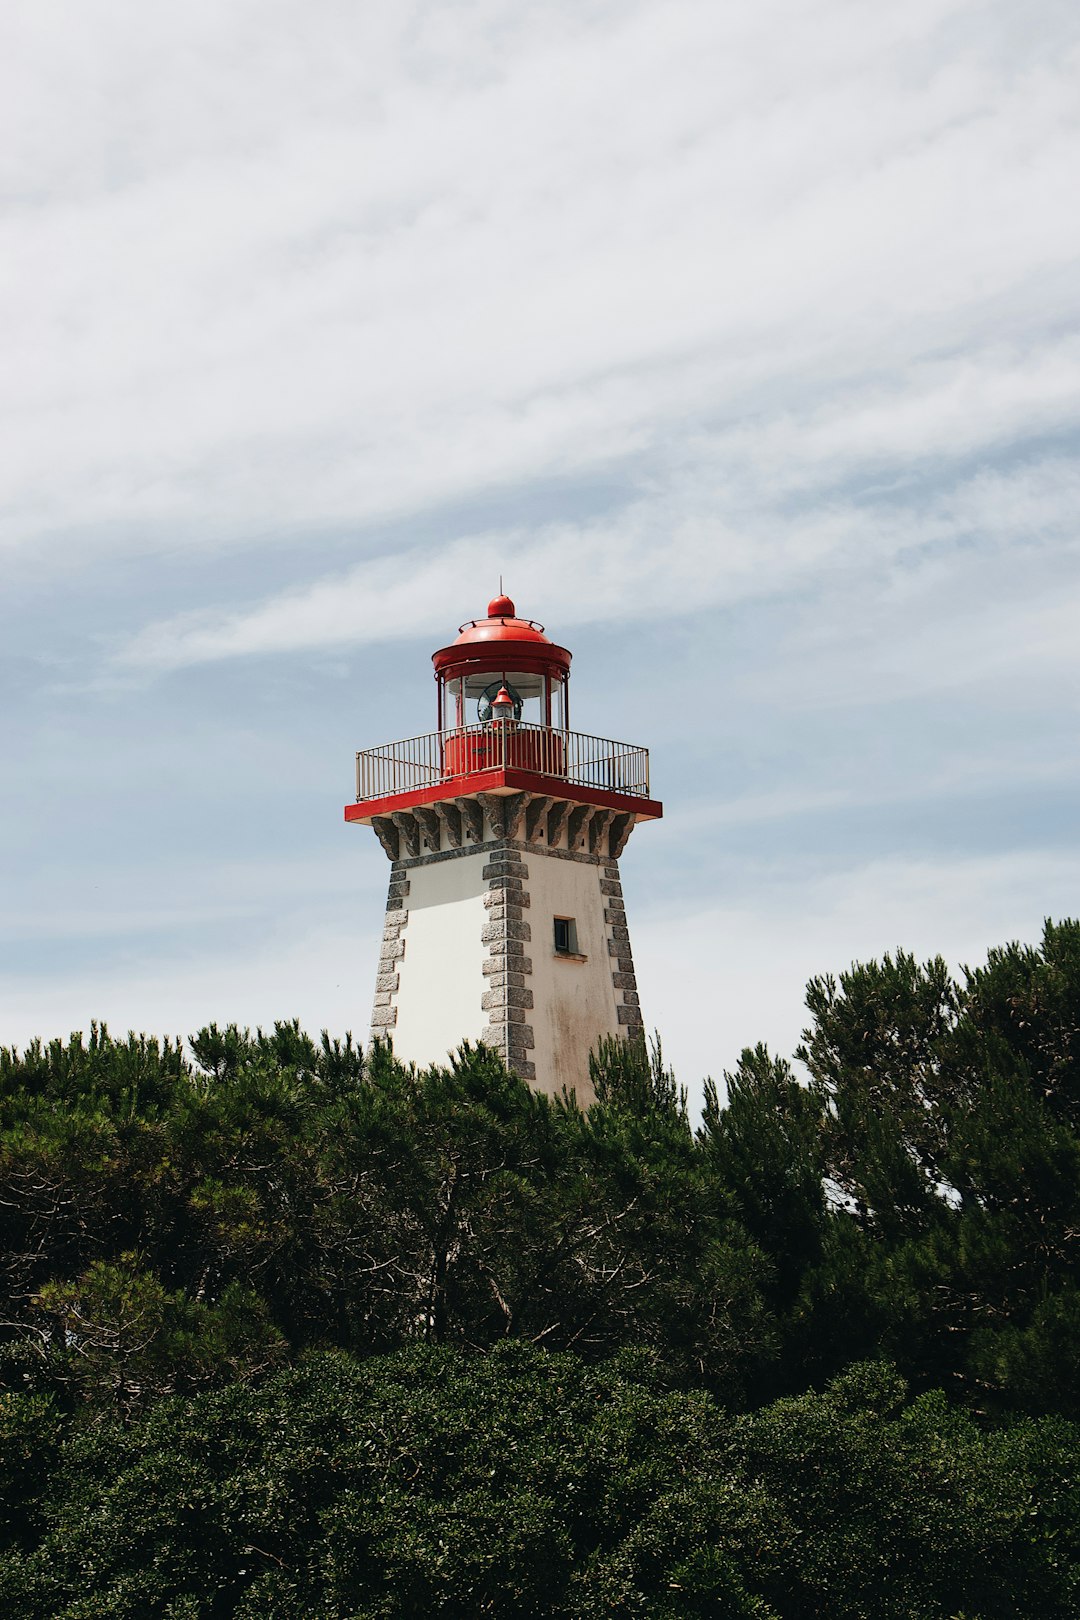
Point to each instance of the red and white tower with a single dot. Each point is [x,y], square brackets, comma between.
[505,920]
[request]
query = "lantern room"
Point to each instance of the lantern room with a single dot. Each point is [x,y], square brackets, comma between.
[502,652]
[502,725]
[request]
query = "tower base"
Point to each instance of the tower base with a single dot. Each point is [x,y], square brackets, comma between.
[505,924]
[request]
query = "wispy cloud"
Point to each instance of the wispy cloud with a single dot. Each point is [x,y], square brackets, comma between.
[694,543]
[274,274]
[959,780]
[742,964]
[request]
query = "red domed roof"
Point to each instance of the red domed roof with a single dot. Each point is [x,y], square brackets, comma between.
[502,624]
[504,640]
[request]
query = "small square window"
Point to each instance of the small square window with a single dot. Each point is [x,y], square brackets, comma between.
[566,936]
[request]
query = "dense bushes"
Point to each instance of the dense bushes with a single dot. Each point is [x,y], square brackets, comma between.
[252,1300]
[528,1483]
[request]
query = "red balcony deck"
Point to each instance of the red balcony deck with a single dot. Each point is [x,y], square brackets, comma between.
[502,759]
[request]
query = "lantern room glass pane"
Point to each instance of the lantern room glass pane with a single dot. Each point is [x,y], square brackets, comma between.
[543,698]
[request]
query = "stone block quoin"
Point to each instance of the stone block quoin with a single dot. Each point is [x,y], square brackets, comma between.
[506,933]
[623,977]
[387,981]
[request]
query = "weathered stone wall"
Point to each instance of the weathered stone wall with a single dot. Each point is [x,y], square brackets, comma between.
[509,834]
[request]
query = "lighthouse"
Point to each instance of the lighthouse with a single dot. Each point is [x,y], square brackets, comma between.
[505,920]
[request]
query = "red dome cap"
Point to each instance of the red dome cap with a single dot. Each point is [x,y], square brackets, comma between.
[500,642]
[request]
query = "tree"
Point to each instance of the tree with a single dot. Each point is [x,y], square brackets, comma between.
[951,1130]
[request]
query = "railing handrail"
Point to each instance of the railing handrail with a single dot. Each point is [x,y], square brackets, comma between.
[434,757]
[515,726]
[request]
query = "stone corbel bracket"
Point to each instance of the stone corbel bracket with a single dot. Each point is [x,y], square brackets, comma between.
[455,826]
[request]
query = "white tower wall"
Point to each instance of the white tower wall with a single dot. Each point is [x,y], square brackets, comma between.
[469,950]
[441,972]
[574,1000]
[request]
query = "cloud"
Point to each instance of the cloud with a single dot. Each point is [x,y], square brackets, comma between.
[956,780]
[733,973]
[675,549]
[140,897]
[318,973]
[284,268]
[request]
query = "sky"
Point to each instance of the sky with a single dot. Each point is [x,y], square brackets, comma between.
[740,339]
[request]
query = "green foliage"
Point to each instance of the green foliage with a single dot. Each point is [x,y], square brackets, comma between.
[764,1148]
[631,1074]
[951,1127]
[276,1195]
[30,1435]
[290,1329]
[528,1483]
[116,1332]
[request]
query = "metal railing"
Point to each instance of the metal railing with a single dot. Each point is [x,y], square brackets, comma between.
[447,756]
